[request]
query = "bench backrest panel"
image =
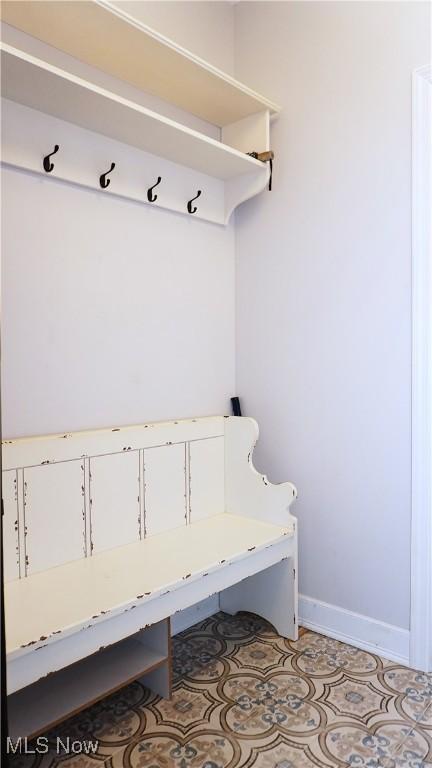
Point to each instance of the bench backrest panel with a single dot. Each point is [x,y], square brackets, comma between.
[71,496]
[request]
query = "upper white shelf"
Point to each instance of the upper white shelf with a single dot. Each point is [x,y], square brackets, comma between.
[102,35]
[39,85]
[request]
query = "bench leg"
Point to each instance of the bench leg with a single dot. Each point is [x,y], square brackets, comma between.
[271,594]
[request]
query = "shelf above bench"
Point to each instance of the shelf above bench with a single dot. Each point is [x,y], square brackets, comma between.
[104,36]
[37,84]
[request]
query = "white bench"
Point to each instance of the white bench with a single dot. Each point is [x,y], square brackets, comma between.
[108,533]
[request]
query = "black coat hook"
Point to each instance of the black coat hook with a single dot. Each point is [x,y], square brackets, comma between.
[48,167]
[189,205]
[103,181]
[150,196]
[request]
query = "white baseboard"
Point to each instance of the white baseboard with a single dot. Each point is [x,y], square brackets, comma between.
[190,616]
[354,629]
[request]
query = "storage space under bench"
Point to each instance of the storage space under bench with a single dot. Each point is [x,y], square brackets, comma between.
[144,656]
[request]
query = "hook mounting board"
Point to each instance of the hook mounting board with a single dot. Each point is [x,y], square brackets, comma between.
[41,86]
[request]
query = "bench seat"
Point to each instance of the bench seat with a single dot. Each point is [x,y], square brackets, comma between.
[70,596]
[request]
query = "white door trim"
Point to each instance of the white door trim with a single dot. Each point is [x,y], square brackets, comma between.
[421,529]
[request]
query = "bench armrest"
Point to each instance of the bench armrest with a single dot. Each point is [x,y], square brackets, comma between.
[247,491]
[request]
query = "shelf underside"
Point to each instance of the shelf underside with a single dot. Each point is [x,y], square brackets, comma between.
[105,37]
[36,84]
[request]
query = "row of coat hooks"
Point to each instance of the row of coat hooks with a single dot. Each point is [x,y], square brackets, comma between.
[104,182]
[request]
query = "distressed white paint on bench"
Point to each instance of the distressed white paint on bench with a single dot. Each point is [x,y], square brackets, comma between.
[111,582]
[114,500]
[54,515]
[11,547]
[175,512]
[207,478]
[29,451]
[90,491]
[165,488]
[247,491]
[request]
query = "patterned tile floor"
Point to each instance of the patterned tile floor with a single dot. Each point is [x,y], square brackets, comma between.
[244,696]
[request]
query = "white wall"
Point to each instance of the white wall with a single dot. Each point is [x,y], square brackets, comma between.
[112,312]
[323,288]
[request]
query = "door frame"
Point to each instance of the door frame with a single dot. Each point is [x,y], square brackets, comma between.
[421,523]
